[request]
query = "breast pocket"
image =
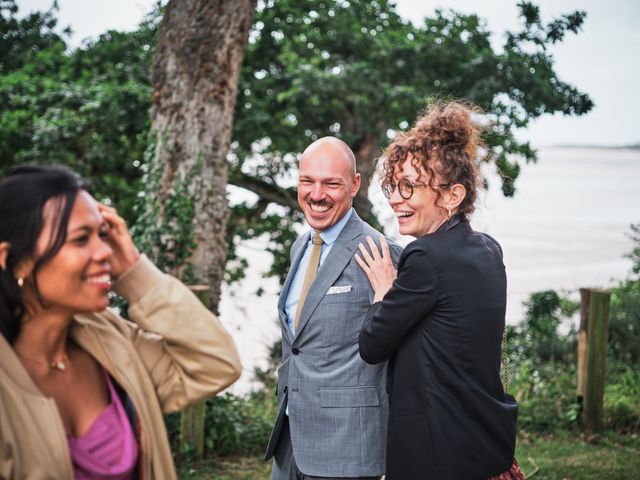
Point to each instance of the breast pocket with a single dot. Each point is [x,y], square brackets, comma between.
[342,315]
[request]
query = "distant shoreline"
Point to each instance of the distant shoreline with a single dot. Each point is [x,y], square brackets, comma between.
[600,147]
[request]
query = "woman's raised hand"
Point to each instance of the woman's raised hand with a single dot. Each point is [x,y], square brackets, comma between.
[378,266]
[125,253]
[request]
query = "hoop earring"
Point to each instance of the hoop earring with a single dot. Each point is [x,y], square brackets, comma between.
[20,282]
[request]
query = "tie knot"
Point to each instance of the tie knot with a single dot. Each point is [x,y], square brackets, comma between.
[316,239]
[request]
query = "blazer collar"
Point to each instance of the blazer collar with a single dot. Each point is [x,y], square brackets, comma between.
[452,222]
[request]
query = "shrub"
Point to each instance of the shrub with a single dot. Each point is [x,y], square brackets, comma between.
[239,425]
[622,398]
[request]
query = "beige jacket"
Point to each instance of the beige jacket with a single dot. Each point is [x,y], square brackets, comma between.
[176,353]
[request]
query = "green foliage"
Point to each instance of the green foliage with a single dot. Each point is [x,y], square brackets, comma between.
[85,108]
[634,255]
[624,315]
[233,425]
[239,425]
[357,70]
[353,69]
[622,397]
[538,337]
[251,222]
[169,242]
[23,39]
[546,395]
[624,322]
[543,361]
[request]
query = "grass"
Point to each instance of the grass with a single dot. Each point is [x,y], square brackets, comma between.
[240,468]
[571,456]
[563,455]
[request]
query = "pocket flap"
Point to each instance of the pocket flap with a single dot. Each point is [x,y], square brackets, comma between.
[337,397]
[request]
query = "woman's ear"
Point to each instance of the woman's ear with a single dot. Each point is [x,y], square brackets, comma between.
[4,253]
[456,192]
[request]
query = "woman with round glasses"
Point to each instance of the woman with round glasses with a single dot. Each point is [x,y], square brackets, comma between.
[439,319]
[82,391]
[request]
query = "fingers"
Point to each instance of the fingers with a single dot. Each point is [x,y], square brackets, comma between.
[362,264]
[114,221]
[384,247]
[368,272]
[365,254]
[375,253]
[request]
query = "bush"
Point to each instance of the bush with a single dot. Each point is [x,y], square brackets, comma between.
[538,337]
[239,425]
[624,323]
[546,394]
[544,365]
[622,398]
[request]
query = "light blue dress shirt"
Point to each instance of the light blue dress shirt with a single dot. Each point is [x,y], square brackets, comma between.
[329,237]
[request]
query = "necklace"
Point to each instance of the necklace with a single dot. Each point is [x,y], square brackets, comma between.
[60,365]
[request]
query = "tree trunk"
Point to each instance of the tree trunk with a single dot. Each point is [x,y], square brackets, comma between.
[194,75]
[367,152]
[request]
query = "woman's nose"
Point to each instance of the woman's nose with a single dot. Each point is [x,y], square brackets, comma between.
[395,197]
[103,251]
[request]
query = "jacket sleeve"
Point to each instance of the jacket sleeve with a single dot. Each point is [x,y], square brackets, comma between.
[396,251]
[409,300]
[185,348]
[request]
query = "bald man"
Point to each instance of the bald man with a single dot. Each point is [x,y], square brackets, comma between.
[332,407]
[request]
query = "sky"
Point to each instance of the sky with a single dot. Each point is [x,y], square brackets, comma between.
[602,60]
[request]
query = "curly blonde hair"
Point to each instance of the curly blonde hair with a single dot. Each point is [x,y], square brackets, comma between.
[444,142]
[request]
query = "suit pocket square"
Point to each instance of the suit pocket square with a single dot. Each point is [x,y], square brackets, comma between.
[339,289]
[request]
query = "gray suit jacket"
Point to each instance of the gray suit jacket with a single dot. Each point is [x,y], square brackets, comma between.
[338,406]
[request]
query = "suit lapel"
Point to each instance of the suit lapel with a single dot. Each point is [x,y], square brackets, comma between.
[340,255]
[297,251]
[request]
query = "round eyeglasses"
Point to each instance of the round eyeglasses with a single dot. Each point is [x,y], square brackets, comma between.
[405,188]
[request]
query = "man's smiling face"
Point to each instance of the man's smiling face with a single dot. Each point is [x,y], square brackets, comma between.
[327,185]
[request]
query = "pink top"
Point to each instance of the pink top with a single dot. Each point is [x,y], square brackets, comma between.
[108,450]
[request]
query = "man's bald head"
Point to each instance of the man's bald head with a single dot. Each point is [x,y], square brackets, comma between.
[334,147]
[328,182]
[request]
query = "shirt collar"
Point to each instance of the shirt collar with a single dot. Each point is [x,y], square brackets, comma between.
[330,235]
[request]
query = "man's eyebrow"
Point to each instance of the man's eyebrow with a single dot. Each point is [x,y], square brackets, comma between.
[329,179]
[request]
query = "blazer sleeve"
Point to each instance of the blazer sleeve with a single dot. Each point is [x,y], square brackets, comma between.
[185,348]
[396,251]
[409,300]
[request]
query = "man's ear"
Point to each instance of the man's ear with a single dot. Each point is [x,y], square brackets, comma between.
[356,184]
[4,253]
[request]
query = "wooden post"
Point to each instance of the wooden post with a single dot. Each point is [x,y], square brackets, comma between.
[192,417]
[596,359]
[582,342]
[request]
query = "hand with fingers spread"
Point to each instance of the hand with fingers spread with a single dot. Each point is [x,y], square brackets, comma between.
[378,266]
[125,253]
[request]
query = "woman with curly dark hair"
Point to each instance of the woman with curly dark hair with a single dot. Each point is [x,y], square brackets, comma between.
[439,319]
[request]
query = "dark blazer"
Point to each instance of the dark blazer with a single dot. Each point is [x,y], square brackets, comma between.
[440,326]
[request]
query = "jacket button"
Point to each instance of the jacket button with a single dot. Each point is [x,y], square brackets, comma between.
[295,351]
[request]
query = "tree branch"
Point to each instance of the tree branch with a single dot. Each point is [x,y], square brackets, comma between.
[271,192]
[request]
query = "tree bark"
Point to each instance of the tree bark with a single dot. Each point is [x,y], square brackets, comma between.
[367,152]
[195,76]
